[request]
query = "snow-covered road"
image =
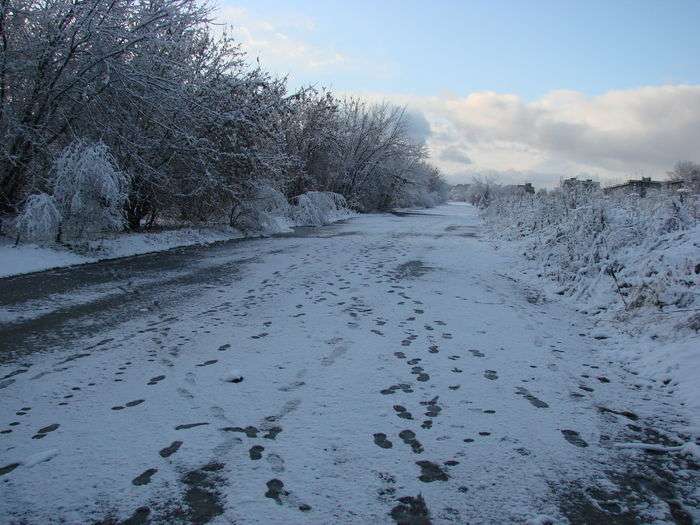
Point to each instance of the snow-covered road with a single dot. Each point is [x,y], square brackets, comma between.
[382,359]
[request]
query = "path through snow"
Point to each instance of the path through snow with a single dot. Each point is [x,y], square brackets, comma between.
[391,371]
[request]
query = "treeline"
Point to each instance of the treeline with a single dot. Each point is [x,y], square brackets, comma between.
[136,111]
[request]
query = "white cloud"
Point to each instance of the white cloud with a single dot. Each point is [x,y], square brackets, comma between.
[283,45]
[274,41]
[618,134]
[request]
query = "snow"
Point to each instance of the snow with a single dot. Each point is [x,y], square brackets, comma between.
[647,340]
[27,258]
[414,328]
[540,520]
[233,376]
[607,246]
[40,457]
[690,449]
[315,209]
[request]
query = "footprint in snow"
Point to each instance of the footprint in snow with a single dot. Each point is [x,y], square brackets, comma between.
[574,438]
[409,438]
[187,426]
[433,409]
[411,510]
[275,490]
[534,401]
[43,431]
[276,463]
[404,387]
[255,452]
[185,393]
[381,440]
[431,472]
[144,478]
[170,449]
[402,412]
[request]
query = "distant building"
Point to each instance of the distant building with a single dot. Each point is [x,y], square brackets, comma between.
[575,184]
[527,187]
[642,186]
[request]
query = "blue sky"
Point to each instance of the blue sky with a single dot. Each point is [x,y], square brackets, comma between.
[528,48]
[424,54]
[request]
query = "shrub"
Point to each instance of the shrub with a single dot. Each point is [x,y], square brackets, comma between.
[89,189]
[316,208]
[262,213]
[39,220]
[604,249]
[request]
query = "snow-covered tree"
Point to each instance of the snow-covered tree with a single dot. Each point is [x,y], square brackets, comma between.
[58,60]
[311,130]
[89,189]
[39,219]
[181,110]
[687,172]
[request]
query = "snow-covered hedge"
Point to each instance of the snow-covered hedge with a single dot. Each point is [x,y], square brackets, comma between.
[268,212]
[606,252]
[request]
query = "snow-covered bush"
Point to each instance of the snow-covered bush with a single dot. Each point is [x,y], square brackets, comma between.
[316,208]
[605,251]
[264,212]
[89,189]
[268,212]
[39,220]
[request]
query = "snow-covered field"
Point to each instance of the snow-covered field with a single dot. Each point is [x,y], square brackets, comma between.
[394,367]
